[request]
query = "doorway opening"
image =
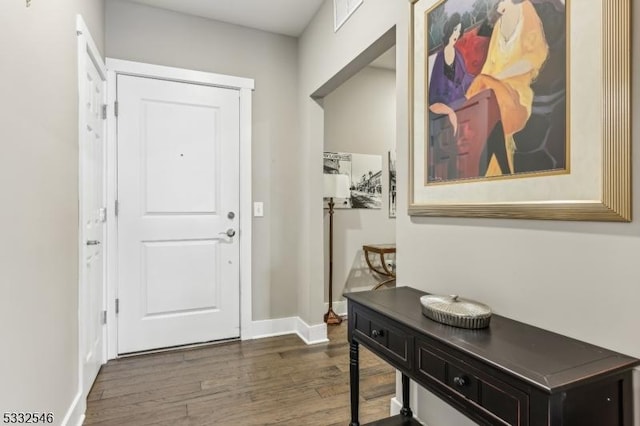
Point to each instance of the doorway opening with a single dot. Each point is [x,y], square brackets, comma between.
[359,106]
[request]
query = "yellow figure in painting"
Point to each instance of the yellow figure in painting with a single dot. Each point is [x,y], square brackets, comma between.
[517,50]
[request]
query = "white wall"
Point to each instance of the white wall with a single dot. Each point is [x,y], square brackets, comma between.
[39,190]
[578,279]
[146,34]
[360,117]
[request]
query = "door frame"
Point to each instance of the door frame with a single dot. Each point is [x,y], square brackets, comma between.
[87,51]
[244,86]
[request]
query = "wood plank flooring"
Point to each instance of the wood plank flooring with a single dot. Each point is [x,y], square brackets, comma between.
[273,381]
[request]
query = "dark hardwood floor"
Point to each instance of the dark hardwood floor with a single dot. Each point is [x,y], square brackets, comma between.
[273,381]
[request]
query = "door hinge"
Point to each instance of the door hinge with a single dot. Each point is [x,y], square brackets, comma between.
[117,306]
[104,317]
[104,111]
[117,207]
[115,108]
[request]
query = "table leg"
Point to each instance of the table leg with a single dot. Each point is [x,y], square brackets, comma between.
[406,410]
[383,283]
[385,267]
[354,381]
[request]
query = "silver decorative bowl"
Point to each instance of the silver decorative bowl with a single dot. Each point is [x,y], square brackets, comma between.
[456,311]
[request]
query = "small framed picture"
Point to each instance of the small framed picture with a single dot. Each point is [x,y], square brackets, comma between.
[392,184]
[342,10]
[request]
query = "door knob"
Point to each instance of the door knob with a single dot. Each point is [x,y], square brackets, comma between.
[229,232]
[93,242]
[460,381]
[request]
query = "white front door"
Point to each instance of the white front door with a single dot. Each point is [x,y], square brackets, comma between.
[92,216]
[178,196]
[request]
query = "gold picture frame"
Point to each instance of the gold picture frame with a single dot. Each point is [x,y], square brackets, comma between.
[597,185]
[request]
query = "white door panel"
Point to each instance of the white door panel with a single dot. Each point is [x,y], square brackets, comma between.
[178,178]
[192,263]
[194,159]
[92,215]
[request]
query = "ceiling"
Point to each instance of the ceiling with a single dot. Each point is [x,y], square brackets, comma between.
[288,17]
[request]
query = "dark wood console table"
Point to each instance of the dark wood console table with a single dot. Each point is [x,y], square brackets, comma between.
[508,374]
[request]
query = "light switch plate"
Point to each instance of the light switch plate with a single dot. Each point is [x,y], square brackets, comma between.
[258,209]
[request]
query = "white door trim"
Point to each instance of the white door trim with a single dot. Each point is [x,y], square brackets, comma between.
[245,86]
[87,50]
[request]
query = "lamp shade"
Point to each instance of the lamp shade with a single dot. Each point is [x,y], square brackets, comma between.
[337,186]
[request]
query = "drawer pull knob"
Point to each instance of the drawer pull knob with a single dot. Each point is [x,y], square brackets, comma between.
[377,333]
[460,381]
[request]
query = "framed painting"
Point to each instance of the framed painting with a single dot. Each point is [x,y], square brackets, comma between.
[520,109]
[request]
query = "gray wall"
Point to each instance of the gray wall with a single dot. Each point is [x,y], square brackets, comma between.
[146,34]
[39,214]
[360,117]
[578,279]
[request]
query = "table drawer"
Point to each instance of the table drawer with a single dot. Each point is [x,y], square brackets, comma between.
[392,341]
[502,403]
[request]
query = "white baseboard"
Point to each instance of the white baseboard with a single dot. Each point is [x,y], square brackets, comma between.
[396,405]
[273,327]
[339,307]
[310,334]
[75,413]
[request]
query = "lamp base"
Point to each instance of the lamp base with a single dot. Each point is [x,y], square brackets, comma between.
[331,318]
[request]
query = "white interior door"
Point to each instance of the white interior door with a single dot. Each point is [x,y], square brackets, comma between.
[178,195]
[92,218]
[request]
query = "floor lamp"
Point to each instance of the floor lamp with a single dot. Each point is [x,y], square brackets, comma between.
[335,186]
